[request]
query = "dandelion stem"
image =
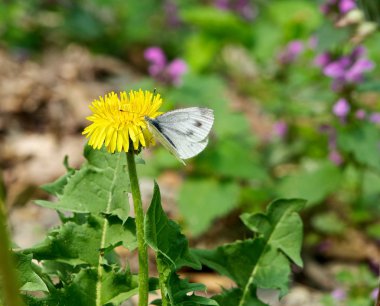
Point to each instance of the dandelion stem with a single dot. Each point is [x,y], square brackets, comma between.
[8,276]
[142,246]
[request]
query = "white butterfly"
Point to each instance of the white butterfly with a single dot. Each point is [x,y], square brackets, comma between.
[183,131]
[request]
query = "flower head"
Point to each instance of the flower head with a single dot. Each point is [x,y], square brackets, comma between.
[162,70]
[291,52]
[118,121]
[341,108]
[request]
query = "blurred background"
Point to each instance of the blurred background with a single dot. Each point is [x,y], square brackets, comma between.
[295,88]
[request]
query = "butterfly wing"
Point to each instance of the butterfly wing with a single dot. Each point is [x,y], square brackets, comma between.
[183,132]
[193,123]
[155,129]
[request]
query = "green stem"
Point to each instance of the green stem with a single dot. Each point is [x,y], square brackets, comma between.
[142,246]
[162,278]
[9,281]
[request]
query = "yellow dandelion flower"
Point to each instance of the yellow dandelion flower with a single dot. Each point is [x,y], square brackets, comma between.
[119,120]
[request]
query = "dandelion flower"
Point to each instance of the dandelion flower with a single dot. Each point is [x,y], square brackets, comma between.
[118,121]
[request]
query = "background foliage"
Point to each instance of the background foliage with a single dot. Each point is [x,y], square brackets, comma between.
[276,134]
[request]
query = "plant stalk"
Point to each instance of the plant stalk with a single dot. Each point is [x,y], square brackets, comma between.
[141,244]
[9,280]
[162,280]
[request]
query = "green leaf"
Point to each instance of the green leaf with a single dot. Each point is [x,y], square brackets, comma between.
[313,184]
[263,262]
[229,298]
[362,141]
[76,244]
[100,186]
[116,286]
[178,292]
[218,23]
[328,223]
[281,227]
[228,159]
[172,252]
[29,279]
[202,201]
[165,238]
[329,36]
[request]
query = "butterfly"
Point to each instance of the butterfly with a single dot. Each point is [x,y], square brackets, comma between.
[184,132]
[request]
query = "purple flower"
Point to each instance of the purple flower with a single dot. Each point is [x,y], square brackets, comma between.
[375,293]
[161,70]
[374,117]
[335,157]
[339,294]
[280,128]
[346,5]
[291,52]
[322,60]
[341,108]
[337,68]
[175,70]
[348,69]
[360,114]
[337,8]
[355,73]
[157,59]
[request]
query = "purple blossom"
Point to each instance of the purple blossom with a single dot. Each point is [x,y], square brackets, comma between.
[339,294]
[355,73]
[322,60]
[360,114]
[346,5]
[374,117]
[291,52]
[280,128]
[157,59]
[161,70]
[335,157]
[375,293]
[341,108]
[175,70]
[348,69]
[337,8]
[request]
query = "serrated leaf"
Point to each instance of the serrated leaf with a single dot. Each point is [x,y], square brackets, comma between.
[202,201]
[281,227]
[100,186]
[164,236]
[76,244]
[28,278]
[262,262]
[84,289]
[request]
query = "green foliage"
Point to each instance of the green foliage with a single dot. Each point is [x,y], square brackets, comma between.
[214,199]
[29,279]
[314,183]
[100,186]
[78,264]
[264,261]
[172,252]
[362,141]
